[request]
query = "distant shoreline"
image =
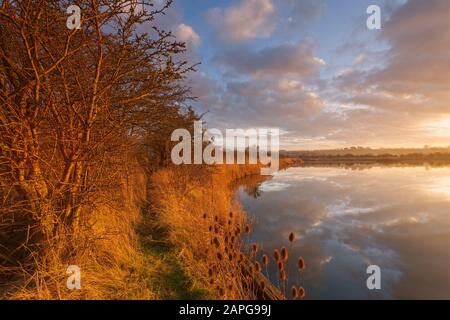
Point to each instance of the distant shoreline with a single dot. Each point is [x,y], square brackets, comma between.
[433,160]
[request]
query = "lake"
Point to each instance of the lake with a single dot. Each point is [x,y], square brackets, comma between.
[347,219]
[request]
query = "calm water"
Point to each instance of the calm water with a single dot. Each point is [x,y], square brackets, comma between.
[345,220]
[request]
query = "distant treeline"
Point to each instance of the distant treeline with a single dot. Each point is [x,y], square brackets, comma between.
[368,152]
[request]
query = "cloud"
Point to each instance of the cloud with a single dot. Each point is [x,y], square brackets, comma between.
[186,34]
[419,58]
[296,59]
[409,86]
[395,81]
[249,19]
[172,21]
[302,12]
[280,103]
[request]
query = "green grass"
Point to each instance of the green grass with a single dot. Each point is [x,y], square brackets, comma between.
[169,280]
[166,275]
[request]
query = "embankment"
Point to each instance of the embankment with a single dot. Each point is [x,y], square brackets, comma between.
[180,240]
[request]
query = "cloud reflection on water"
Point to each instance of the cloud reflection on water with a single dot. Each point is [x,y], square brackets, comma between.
[397,218]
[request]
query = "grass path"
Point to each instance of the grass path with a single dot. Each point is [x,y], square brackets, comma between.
[166,275]
[168,279]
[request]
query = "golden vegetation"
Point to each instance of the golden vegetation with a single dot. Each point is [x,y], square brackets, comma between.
[81,111]
[197,207]
[85,123]
[196,204]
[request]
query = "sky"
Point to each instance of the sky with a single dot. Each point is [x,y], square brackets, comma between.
[313,69]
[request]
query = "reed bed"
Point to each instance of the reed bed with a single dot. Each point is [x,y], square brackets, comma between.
[208,227]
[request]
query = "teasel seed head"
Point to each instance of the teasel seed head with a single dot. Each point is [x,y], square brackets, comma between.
[294,292]
[301,264]
[276,255]
[265,260]
[280,265]
[301,292]
[284,254]
[291,237]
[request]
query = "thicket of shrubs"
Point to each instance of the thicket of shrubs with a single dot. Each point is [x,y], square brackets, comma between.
[85,118]
[85,123]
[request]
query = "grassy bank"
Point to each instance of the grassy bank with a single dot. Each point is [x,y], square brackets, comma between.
[195,208]
[181,239]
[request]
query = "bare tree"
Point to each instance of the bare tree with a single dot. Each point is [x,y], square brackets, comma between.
[73,103]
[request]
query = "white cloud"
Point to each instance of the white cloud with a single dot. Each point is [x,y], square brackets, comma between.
[296,59]
[248,19]
[186,34]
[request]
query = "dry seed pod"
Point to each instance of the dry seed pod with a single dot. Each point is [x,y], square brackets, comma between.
[301,293]
[257,267]
[265,260]
[247,229]
[280,265]
[284,254]
[276,255]
[301,263]
[291,237]
[294,293]
[283,275]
